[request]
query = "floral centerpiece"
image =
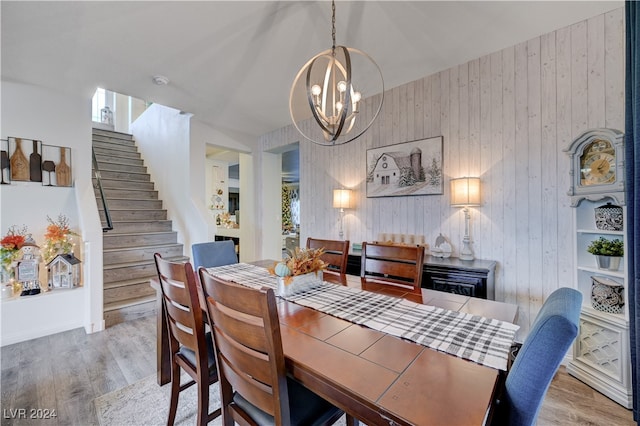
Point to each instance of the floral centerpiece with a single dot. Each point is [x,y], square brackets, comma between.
[301,269]
[58,238]
[10,246]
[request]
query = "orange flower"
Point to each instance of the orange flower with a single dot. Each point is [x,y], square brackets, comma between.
[56,233]
[12,242]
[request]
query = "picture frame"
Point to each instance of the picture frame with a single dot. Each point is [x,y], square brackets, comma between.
[24,159]
[56,166]
[406,169]
[4,162]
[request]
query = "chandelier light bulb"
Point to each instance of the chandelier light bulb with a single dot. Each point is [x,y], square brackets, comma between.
[342,86]
[356,97]
[339,106]
[316,90]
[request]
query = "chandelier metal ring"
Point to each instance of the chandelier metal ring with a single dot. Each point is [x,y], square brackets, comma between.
[324,90]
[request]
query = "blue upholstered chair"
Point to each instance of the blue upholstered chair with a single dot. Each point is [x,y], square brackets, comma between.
[551,335]
[213,253]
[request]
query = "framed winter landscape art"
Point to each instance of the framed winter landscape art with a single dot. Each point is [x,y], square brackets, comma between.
[409,168]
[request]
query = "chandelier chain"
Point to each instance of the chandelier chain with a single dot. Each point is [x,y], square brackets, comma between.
[333,24]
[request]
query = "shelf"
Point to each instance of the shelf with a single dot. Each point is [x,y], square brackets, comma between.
[618,274]
[58,292]
[617,319]
[599,232]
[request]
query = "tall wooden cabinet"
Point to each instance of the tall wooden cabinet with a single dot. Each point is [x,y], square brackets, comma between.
[601,353]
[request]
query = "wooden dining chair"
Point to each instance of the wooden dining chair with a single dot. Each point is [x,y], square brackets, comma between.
[551,335]
[391,269]
[255,388]
[336,253]
[191,349]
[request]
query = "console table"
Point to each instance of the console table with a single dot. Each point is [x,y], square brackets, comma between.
[475,278]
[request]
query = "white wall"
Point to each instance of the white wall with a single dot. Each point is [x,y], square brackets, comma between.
[56,119]
[271,213]
[505,117]
[162,135]
[172,145]
[250,230]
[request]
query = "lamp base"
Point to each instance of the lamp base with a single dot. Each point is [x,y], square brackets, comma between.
[466,253]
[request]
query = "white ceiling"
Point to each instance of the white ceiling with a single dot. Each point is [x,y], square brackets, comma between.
[231,63]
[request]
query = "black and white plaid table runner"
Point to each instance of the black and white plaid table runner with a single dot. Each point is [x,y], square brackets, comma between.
[482,340]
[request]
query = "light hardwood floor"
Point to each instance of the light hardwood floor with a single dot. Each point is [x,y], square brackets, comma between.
[65,372]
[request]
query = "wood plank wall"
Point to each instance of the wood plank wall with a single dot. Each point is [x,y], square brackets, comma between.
[505,117]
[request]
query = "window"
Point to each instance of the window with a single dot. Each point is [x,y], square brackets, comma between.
[97,104]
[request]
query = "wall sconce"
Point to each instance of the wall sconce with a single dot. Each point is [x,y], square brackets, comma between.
[341,200]
[465,192]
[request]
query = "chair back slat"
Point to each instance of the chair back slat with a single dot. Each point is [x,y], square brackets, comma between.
[248,346]
[335,254]
[176,292]
[391,252]
[181,328]
[245,344]
[254,391]
[401,270]
[393,265]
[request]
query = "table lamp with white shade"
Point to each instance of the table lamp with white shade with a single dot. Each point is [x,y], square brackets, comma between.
[341,200]
[465,192]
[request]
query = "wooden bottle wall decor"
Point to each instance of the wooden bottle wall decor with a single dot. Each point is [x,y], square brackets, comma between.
[56,166]
[5,173]
[63,171]
[48,164]
[18,162]
[35,163]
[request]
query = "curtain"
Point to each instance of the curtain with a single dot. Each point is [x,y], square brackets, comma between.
[632,167]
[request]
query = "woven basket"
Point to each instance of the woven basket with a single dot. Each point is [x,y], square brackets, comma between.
[607,295]
[609,217]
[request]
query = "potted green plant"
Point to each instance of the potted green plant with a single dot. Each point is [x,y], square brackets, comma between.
[607,252]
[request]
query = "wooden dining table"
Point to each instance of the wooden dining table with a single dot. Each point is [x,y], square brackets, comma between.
[375,377]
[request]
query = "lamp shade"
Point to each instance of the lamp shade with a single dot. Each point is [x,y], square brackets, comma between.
[341,198]
[465,192]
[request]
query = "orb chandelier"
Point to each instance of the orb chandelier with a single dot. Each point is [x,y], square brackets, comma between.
[330,88]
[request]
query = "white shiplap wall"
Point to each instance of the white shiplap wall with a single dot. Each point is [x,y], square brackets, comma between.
[505,117]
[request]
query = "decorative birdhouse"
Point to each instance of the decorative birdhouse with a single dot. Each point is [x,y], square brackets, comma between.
[64,271]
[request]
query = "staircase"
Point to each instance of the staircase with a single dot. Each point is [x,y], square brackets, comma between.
[140,228]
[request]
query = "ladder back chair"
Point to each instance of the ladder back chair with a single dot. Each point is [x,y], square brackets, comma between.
[255,388]
[335,255]
[391,269]
[191,349]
